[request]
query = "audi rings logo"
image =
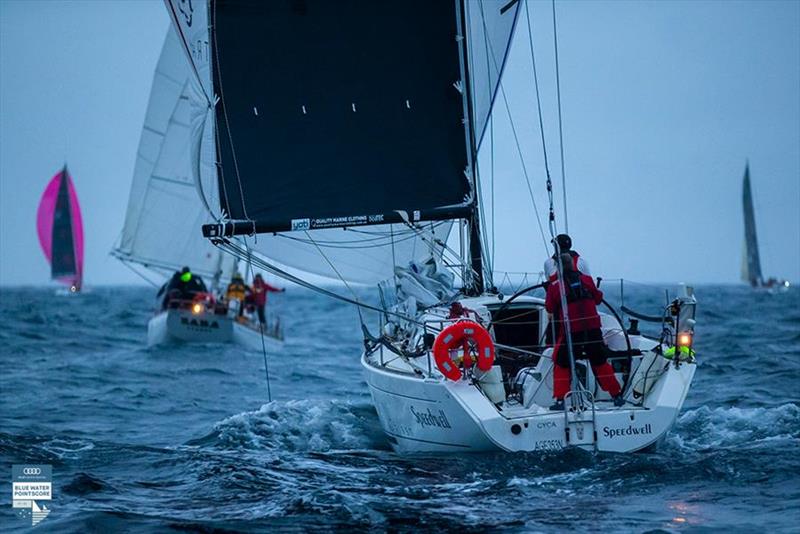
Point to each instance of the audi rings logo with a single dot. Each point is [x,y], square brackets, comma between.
[32,471]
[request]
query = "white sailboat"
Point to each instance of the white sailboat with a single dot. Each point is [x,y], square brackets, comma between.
[349,136]
[161,230]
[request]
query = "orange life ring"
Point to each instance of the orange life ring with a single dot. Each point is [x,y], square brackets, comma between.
[459,335]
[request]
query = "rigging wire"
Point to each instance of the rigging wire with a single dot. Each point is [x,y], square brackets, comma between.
[483,231]
[233,247]
[452,262]
[411,232]
[227,124]
[261,325]
[514,132]
[370,243]
[567,333]
[524,167]
[266,365]
[560,126]
[137,273]
[491,175]
[217,143]
[488,47]
[536,86]
[335,270]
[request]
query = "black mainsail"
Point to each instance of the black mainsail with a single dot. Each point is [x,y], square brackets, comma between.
[63,261]
[60,230]
[751,265]
[340,115]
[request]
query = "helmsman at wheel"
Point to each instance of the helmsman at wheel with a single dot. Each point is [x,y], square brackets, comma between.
[565,247]
[587,338]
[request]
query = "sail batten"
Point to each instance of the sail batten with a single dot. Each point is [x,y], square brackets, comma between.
[337,115]
[331,113]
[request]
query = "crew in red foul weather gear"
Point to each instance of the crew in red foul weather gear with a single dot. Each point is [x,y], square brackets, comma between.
[587,338]
[565,246]
[260,290]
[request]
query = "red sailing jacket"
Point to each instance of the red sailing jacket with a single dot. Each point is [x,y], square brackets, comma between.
[583,312]
[575,256]
[260,289]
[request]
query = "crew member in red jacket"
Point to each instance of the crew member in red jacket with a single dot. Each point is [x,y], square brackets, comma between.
[587,338]
[260,290]
[565,246]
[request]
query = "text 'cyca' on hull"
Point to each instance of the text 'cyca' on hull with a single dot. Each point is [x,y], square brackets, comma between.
[422,411]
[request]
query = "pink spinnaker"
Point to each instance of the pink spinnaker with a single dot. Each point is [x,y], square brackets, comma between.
[45,218]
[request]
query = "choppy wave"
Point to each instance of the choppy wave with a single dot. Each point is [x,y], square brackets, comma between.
[707,428]
[183,438]
[299,426]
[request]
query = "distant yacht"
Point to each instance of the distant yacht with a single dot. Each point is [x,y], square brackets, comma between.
[161,231]
[60,229]
[751,260]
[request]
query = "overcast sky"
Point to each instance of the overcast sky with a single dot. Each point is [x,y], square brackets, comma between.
[663,104]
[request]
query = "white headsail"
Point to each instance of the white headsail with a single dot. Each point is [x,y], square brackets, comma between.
[165,212]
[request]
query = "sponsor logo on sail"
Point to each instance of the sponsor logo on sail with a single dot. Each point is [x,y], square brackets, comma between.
[298,225]
[629,431]
[428,418]
[31,483]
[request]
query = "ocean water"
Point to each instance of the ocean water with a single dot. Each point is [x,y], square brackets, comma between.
[183,438]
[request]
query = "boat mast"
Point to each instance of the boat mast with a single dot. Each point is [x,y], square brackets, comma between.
[476,286]
[475,253]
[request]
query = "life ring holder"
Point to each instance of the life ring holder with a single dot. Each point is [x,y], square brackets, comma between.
[459,335]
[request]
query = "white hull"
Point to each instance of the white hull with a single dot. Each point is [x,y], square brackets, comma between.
[439,415]
[422,411]
[172,326]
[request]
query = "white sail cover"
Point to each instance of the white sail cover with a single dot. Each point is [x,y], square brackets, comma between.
[163,222]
